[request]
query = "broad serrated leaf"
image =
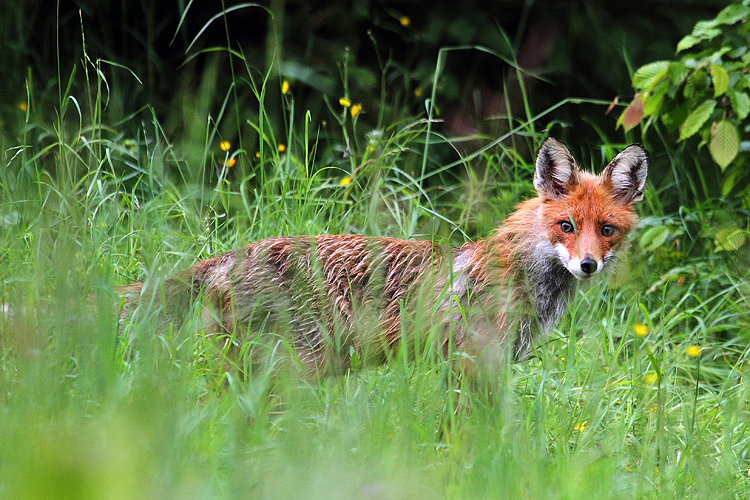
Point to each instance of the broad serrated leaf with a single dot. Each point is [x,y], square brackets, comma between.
[646,76]
[720,79]
[706,30]
[725,143]
[740,104]
[632,114]
[677,72]
[687,42]
[696,83]
[654,237]
[696,119]
[730,239]
[703,30]
[652,105]
[737,52]
[673,118]
[729,182]
[716,56]
[733,14]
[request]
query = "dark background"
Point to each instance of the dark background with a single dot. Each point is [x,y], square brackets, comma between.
[577,48]
[566,48]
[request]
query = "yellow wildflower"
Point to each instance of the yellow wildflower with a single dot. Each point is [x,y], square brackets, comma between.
[640,330]
[282,148]
[651,378]
[257,154]
[580,427]
[418,92]
[356,109]
[693,351]
[405,21]
[225,145]
[23,106]
[230,162]
[345,181]
[284,87]
[345,102]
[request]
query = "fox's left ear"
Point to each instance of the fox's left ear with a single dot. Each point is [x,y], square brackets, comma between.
[627,173]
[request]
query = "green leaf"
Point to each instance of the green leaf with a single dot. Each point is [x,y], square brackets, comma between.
[740,104]
[737,52]
[706,30]
[730,239]
[646,76]
[652,104]
[716,56]
[720,79]
[687,42]
[696,119]
[696,83]
[703,30]
[678,72]
[725,143]
[729,181]
[733,14]
[654,237]
[674,117]
[354,360]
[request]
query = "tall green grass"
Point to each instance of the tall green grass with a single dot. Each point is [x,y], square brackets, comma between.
[89,410]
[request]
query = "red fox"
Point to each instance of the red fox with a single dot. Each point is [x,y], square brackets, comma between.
[336,296]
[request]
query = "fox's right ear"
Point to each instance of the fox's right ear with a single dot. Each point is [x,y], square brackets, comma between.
[556,169]
[627,173]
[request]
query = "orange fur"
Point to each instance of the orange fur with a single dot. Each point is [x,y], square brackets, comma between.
[334,295]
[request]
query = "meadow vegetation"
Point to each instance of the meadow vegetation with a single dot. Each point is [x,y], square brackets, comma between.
[638,393]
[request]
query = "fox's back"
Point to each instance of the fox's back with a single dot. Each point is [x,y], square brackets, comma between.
[350,287]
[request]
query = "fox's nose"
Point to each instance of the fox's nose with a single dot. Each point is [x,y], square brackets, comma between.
[588,265]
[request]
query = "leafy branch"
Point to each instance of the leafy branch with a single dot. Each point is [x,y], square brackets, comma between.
[706,92]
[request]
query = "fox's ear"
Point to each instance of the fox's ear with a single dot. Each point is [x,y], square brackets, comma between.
[627,173]
[556,169]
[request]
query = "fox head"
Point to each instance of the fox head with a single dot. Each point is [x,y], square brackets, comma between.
[587,217]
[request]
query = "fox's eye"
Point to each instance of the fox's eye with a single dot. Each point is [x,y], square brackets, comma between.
[608,230]
[567,227]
